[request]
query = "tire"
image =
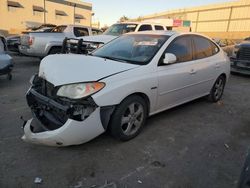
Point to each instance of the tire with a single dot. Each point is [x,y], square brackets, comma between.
[9,76]
[218,89]
[55,50]
[128,118]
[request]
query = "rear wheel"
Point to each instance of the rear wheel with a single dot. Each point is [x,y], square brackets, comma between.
[218,89]
[129,118]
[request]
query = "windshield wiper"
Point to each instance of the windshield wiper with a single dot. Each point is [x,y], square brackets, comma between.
[113,58]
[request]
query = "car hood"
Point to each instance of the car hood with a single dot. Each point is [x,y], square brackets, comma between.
[99,38]
[64,69]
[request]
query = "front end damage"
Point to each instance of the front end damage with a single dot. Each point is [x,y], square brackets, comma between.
[61,121]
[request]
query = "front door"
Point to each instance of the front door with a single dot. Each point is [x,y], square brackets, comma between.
[175,81]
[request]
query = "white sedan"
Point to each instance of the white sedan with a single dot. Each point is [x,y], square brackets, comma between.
[75,98]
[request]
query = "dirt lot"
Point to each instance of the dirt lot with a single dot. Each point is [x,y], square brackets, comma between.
[197,145]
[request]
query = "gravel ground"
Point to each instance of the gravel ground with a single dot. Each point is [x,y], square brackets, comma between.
[196,145]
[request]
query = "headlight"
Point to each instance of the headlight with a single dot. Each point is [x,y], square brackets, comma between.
[80,90]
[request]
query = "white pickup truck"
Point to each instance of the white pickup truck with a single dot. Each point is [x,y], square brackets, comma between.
[119,29]
[86,44]
[41,44]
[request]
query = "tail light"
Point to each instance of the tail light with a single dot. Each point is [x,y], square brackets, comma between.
[31,40]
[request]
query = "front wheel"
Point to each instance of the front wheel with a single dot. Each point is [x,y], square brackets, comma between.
[218,89]
[129,118]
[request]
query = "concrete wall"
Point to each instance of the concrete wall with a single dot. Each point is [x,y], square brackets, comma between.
[13,19]
[224,20]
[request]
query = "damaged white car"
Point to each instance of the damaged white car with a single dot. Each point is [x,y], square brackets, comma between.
[75,98]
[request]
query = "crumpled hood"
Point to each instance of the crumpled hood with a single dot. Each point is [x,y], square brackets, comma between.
[64,69]
[98,38]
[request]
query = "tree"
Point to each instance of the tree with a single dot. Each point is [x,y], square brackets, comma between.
[123,19]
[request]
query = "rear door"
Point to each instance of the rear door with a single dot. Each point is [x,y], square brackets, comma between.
[207,64]
[176,81]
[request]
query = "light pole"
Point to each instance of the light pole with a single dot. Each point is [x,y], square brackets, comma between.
[74,16]
[44,11]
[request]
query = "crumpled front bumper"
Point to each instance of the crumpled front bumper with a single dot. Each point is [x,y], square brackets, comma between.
[71,133]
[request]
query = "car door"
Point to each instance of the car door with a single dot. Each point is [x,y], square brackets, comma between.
[175,81]
[207,64]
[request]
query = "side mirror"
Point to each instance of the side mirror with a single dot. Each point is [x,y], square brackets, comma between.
[169,59]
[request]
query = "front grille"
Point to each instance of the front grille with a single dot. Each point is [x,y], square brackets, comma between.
[244,53]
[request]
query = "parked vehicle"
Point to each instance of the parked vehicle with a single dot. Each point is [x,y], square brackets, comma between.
[75,98]
[240,60]
[227,45]
[6,64]
[244,180]
[14,41]
[41,44]
[114,31]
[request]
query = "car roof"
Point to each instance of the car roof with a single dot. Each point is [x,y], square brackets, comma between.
[167,33]
[152,23]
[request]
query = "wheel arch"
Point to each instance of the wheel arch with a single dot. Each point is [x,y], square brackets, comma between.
[143,96]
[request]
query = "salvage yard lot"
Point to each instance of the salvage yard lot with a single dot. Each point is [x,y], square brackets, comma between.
[196,145]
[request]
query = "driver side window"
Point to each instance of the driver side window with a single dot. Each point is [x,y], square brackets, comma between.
[181,47]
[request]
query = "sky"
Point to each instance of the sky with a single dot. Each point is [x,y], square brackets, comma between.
[109,11]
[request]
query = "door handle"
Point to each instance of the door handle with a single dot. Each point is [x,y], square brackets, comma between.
[192,71]
[217,65]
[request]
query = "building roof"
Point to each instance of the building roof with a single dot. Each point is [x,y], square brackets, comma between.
[201,8]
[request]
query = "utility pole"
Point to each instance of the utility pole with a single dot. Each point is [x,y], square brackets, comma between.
[74,16]
[44,11]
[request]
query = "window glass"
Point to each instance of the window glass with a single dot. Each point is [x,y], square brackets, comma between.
[145,28]
[181,48]
[79,32]
[215,49]
[77,20]
[159,27]
[134,48]
[119,29]
[59,29]
[203,47]
[96,32]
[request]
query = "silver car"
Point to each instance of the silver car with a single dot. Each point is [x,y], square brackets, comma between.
[6,64]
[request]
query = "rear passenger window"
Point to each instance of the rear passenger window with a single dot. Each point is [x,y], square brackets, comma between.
[159,27]
[203,47]
[79,32]
[145,28]
[181,48]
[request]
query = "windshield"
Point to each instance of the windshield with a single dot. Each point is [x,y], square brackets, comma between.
[134,48]
[119,29]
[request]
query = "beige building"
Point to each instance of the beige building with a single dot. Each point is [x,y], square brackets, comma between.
[17,15]
[223,20]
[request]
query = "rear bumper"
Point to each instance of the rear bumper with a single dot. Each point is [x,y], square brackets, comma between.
[240,66]
[25,50]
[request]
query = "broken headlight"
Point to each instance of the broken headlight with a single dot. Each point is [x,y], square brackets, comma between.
[79,90]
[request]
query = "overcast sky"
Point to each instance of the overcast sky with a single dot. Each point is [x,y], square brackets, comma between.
[109,11]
